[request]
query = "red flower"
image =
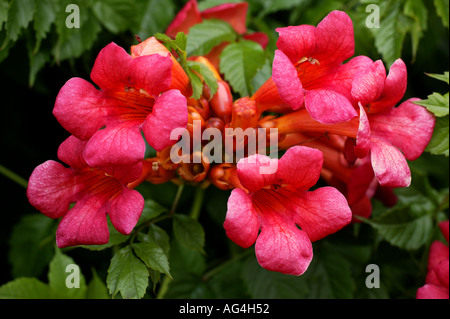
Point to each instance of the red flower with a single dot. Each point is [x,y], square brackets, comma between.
[135,95]
[52,188]
[276,203]
[308,70]
[389,134]
[437,280]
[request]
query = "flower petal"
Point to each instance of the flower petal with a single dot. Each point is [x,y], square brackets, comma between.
[241,223]
[79,108]
[394,88]
[119,144]
[408,127]
[368,85]
[111,68]
[125,210]
[432,292]
[335,39]
[71,152]
[188,16]
[300,167]
[84,224]
[297,42]
[169,112]
[389,164]
[286,79]
[322,212]
[363,141]
[250,171]
[233,13]
[52,188]
[281,246]
[329,107]
[151,73]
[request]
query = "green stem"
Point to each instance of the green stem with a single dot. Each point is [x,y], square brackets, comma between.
[13,176]
[224,265]
[197,204]
[164,288]
[177,199]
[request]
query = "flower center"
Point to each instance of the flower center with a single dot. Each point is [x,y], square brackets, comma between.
[134,104]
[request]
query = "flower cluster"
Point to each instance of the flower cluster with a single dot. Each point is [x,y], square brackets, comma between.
[332,119]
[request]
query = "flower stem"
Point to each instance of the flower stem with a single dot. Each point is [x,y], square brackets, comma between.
[13,176]
[177,199]
[197,204]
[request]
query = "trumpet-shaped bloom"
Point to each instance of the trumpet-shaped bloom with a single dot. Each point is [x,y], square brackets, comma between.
[390,134]
[437,279]
[135,96]
[308,70]
[52,188]
[279,204]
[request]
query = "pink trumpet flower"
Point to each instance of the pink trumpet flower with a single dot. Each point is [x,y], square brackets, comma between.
[280,203]
[52,188]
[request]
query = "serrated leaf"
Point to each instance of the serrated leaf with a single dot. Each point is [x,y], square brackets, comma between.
[189,232]
[439,143]
[158,236]
[196,84]
[265,284]
[204,36]
[416,10]
[31,245]
[441,77]
[404,227]
[44,17]
[239,62]
[207,75]
[153,256]
[442,10]
[181,40]
[26,288]
[391,34]
[127,275]
[58,275]
[20,14]
[436,103]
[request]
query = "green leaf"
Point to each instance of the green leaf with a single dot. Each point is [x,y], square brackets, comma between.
[436,104]
[416,10]
[442,10]
[153,256]
[189,287]
[59,273]
[391,34]
[116,15]
[44,17]
[26,288]
[96,288]
[152,209]
[408,227]
[439,143]
[31,245]
[204,36]
[156,16]
[156,235]
[271,6]
[441,77]
[207,75]
[330,275]
[239,62]
[20,14]
[4,5]
[265,284]
[127,275]
[181,40]
[189,232]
